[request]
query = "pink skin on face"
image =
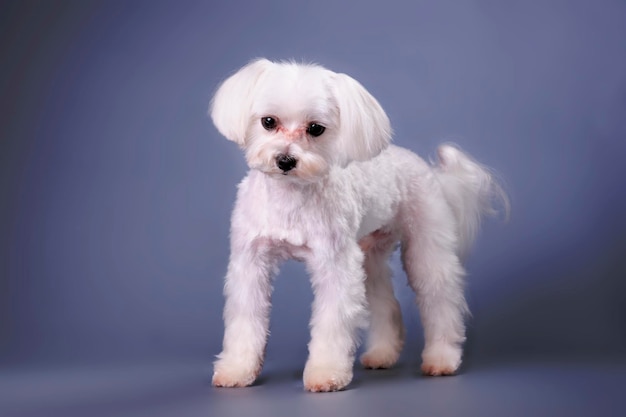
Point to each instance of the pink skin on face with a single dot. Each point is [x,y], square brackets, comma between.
[291,135]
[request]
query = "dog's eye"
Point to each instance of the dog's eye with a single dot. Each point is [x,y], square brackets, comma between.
[315,129]
[269,123]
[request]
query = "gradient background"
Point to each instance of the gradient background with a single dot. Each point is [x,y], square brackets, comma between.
[116,191]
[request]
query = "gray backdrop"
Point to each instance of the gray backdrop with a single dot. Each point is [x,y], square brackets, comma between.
[116,190]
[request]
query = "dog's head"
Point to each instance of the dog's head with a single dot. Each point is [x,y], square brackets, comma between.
[298,120]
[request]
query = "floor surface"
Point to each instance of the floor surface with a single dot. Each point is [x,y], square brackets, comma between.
[539,388]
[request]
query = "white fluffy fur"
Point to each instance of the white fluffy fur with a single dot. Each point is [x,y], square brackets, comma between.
[342,210]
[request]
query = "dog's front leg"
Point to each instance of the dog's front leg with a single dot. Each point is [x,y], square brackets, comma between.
[246,318]
[339,309]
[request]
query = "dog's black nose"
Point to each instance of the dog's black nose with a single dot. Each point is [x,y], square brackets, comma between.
[286,162]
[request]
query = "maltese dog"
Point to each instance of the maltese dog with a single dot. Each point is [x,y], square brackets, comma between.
[326,187]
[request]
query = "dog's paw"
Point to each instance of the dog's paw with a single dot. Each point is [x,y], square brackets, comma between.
[233,373]
[441,359]
[326,379]
[380,358]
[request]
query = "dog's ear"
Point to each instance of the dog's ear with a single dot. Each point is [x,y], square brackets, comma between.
[231,106]
[364,127]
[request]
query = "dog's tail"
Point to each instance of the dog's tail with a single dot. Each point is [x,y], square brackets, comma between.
[471,190]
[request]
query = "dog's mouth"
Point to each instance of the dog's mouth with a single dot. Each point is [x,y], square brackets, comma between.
[307,168]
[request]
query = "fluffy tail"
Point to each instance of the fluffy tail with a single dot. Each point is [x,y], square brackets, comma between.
[471,191]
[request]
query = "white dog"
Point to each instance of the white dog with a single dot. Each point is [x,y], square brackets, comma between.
[325,187]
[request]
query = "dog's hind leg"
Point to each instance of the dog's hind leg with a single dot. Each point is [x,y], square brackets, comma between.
[385,336]
[429,256]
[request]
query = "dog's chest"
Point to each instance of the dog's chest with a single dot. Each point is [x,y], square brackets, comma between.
[282,231]
[295,220]
[281,225]
[288,219]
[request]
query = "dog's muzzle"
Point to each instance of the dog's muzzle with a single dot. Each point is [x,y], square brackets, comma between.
[285,162]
